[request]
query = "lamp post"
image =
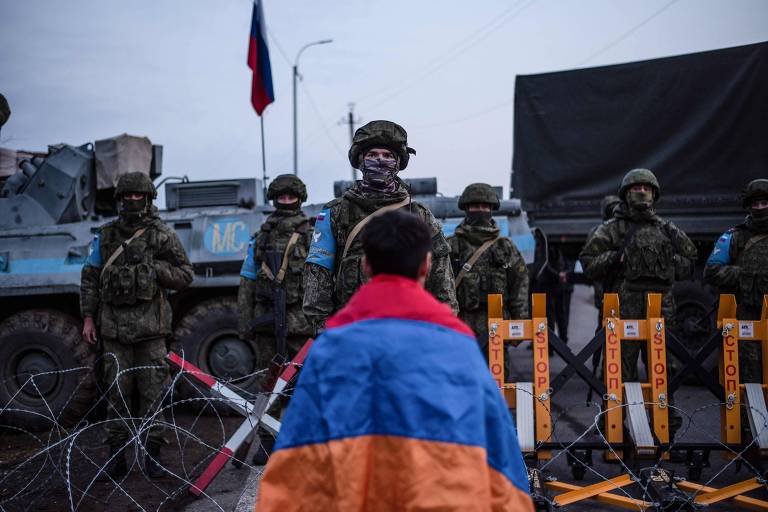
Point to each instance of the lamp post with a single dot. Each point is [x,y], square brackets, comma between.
[295,79]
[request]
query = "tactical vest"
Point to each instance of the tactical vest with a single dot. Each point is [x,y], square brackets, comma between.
[131,278]
[488,275]
[349,269]
[274,236]
[649,258]
[753,279]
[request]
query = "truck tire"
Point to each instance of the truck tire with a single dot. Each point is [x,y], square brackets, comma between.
[207,337]
[693,313]
[44,342]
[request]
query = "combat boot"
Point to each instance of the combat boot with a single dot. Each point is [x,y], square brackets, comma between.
[117,467]
[153,463]
[264,450]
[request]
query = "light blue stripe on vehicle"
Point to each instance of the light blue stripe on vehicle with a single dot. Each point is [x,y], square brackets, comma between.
[43,266]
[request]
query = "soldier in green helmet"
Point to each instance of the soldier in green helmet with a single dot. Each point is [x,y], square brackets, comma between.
[334,269]
[288,233]
[485,262]
[739,265]
[123,301]
[607,206]
[640,253]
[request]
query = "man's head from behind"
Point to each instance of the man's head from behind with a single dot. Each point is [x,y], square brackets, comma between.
[397,243]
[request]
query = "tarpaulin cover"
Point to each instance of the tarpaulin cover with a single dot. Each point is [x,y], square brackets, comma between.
[120,155]
[698,121]
[395,409]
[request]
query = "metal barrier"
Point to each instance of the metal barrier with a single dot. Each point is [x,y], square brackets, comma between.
[642,407]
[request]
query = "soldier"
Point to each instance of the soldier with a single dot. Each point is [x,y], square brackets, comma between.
[286,231]
[484,262]
[607,206]
[334,269]
[645,254]
[739,265]
[133,260]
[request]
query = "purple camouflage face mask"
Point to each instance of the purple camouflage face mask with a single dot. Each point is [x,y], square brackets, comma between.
[379,174]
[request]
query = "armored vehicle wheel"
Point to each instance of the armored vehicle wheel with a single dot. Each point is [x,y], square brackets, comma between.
[46,370]
[207,337]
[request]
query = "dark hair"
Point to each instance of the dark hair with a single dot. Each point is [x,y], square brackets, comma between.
[396,243]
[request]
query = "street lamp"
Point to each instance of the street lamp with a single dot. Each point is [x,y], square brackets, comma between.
[295,78]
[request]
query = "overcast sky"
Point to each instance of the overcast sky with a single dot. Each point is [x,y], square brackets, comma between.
[175,70]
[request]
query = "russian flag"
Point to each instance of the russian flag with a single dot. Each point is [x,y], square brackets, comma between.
[262,93]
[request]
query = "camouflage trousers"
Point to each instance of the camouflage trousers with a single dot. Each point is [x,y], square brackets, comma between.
[633,306]
[149,378]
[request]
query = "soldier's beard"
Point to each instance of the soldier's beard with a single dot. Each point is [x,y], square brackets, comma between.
[379,175]
[640,201]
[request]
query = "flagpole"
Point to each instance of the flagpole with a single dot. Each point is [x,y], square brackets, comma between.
[263,160]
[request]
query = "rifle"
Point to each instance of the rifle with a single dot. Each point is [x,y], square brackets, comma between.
[277,316]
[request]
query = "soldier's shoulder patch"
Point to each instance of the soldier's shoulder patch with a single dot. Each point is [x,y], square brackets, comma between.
[94,253]
[322,250]
[721,253]
[248,270]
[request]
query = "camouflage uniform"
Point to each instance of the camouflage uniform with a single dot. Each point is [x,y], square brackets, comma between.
[607,205]
[739,265]
[254,298]
[657,255]
[332,277]
[128,302]
[500,269]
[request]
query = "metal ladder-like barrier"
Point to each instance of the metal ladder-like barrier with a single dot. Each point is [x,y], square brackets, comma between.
[636,413]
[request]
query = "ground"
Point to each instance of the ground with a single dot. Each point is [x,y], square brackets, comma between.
[60,477]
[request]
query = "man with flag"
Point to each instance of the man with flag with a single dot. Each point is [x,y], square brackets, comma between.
[395,408]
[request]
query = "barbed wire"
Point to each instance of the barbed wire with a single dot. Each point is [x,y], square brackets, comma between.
[64,462]
[67,461]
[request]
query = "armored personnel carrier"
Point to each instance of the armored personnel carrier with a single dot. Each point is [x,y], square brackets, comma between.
[49,212]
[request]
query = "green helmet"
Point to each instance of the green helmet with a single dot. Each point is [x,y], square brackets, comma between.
[137,182]
[287,184]
[607,205]
[385,134]
[479,193]
[755,189]
[639,177]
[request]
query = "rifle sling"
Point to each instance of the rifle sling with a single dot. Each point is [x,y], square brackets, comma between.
[473,259]
[360,225]
[284,265]
[120,249]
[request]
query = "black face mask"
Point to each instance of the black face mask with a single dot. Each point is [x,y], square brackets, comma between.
[133,209]
[756,213]
[478,219]
[286,206]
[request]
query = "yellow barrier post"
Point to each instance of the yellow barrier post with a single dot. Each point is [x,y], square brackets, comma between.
[657,368]
[614,432]
[535,329]
[730,418]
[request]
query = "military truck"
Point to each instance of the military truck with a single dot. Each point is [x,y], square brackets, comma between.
[49,212]
[696,120]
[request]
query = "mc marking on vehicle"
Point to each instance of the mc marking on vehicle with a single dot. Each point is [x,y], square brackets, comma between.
[226,236]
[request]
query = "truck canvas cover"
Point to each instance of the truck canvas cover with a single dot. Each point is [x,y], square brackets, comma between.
[698,121]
